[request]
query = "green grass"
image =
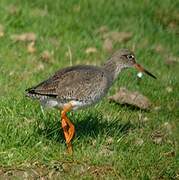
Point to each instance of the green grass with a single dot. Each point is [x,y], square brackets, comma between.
[107,135]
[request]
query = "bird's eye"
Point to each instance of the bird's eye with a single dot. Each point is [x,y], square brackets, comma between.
[130,57]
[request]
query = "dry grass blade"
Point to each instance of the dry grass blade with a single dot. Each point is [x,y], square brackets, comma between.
[1,30]
[91,50]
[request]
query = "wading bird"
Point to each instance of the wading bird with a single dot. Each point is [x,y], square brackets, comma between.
[79,86]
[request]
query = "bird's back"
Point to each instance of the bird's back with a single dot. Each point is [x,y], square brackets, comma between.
[81,83]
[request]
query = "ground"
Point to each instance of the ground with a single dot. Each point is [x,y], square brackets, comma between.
[112,141]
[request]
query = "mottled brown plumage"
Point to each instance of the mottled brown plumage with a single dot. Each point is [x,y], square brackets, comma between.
[74,83]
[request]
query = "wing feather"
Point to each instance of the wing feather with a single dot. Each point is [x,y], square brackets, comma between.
[72,83]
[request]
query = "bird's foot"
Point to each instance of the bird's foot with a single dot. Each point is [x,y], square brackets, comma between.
[69,131]
[68,128]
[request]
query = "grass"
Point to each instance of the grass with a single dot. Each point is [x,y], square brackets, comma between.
[112,141]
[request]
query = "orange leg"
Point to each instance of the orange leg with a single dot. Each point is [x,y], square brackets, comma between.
[68,127]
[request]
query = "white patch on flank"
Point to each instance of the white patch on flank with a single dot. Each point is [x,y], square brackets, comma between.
[52,103]
[49,103]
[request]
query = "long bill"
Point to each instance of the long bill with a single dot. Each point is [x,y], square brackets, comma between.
[141,69]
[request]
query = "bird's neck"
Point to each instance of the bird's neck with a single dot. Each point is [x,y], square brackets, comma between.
[113,69]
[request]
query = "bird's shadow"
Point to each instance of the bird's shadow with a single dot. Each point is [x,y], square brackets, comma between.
[90,124]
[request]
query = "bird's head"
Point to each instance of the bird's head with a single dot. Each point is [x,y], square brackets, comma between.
[125,58]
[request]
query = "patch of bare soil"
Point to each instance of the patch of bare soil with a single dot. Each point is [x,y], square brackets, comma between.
[57,170]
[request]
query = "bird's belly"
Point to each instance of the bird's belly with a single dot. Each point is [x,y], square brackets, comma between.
[52,102]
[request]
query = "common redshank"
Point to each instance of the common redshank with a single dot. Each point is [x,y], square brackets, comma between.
[79,86]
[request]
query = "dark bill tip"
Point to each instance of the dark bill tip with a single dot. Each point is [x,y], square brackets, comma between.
[147,72]
[141,69]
